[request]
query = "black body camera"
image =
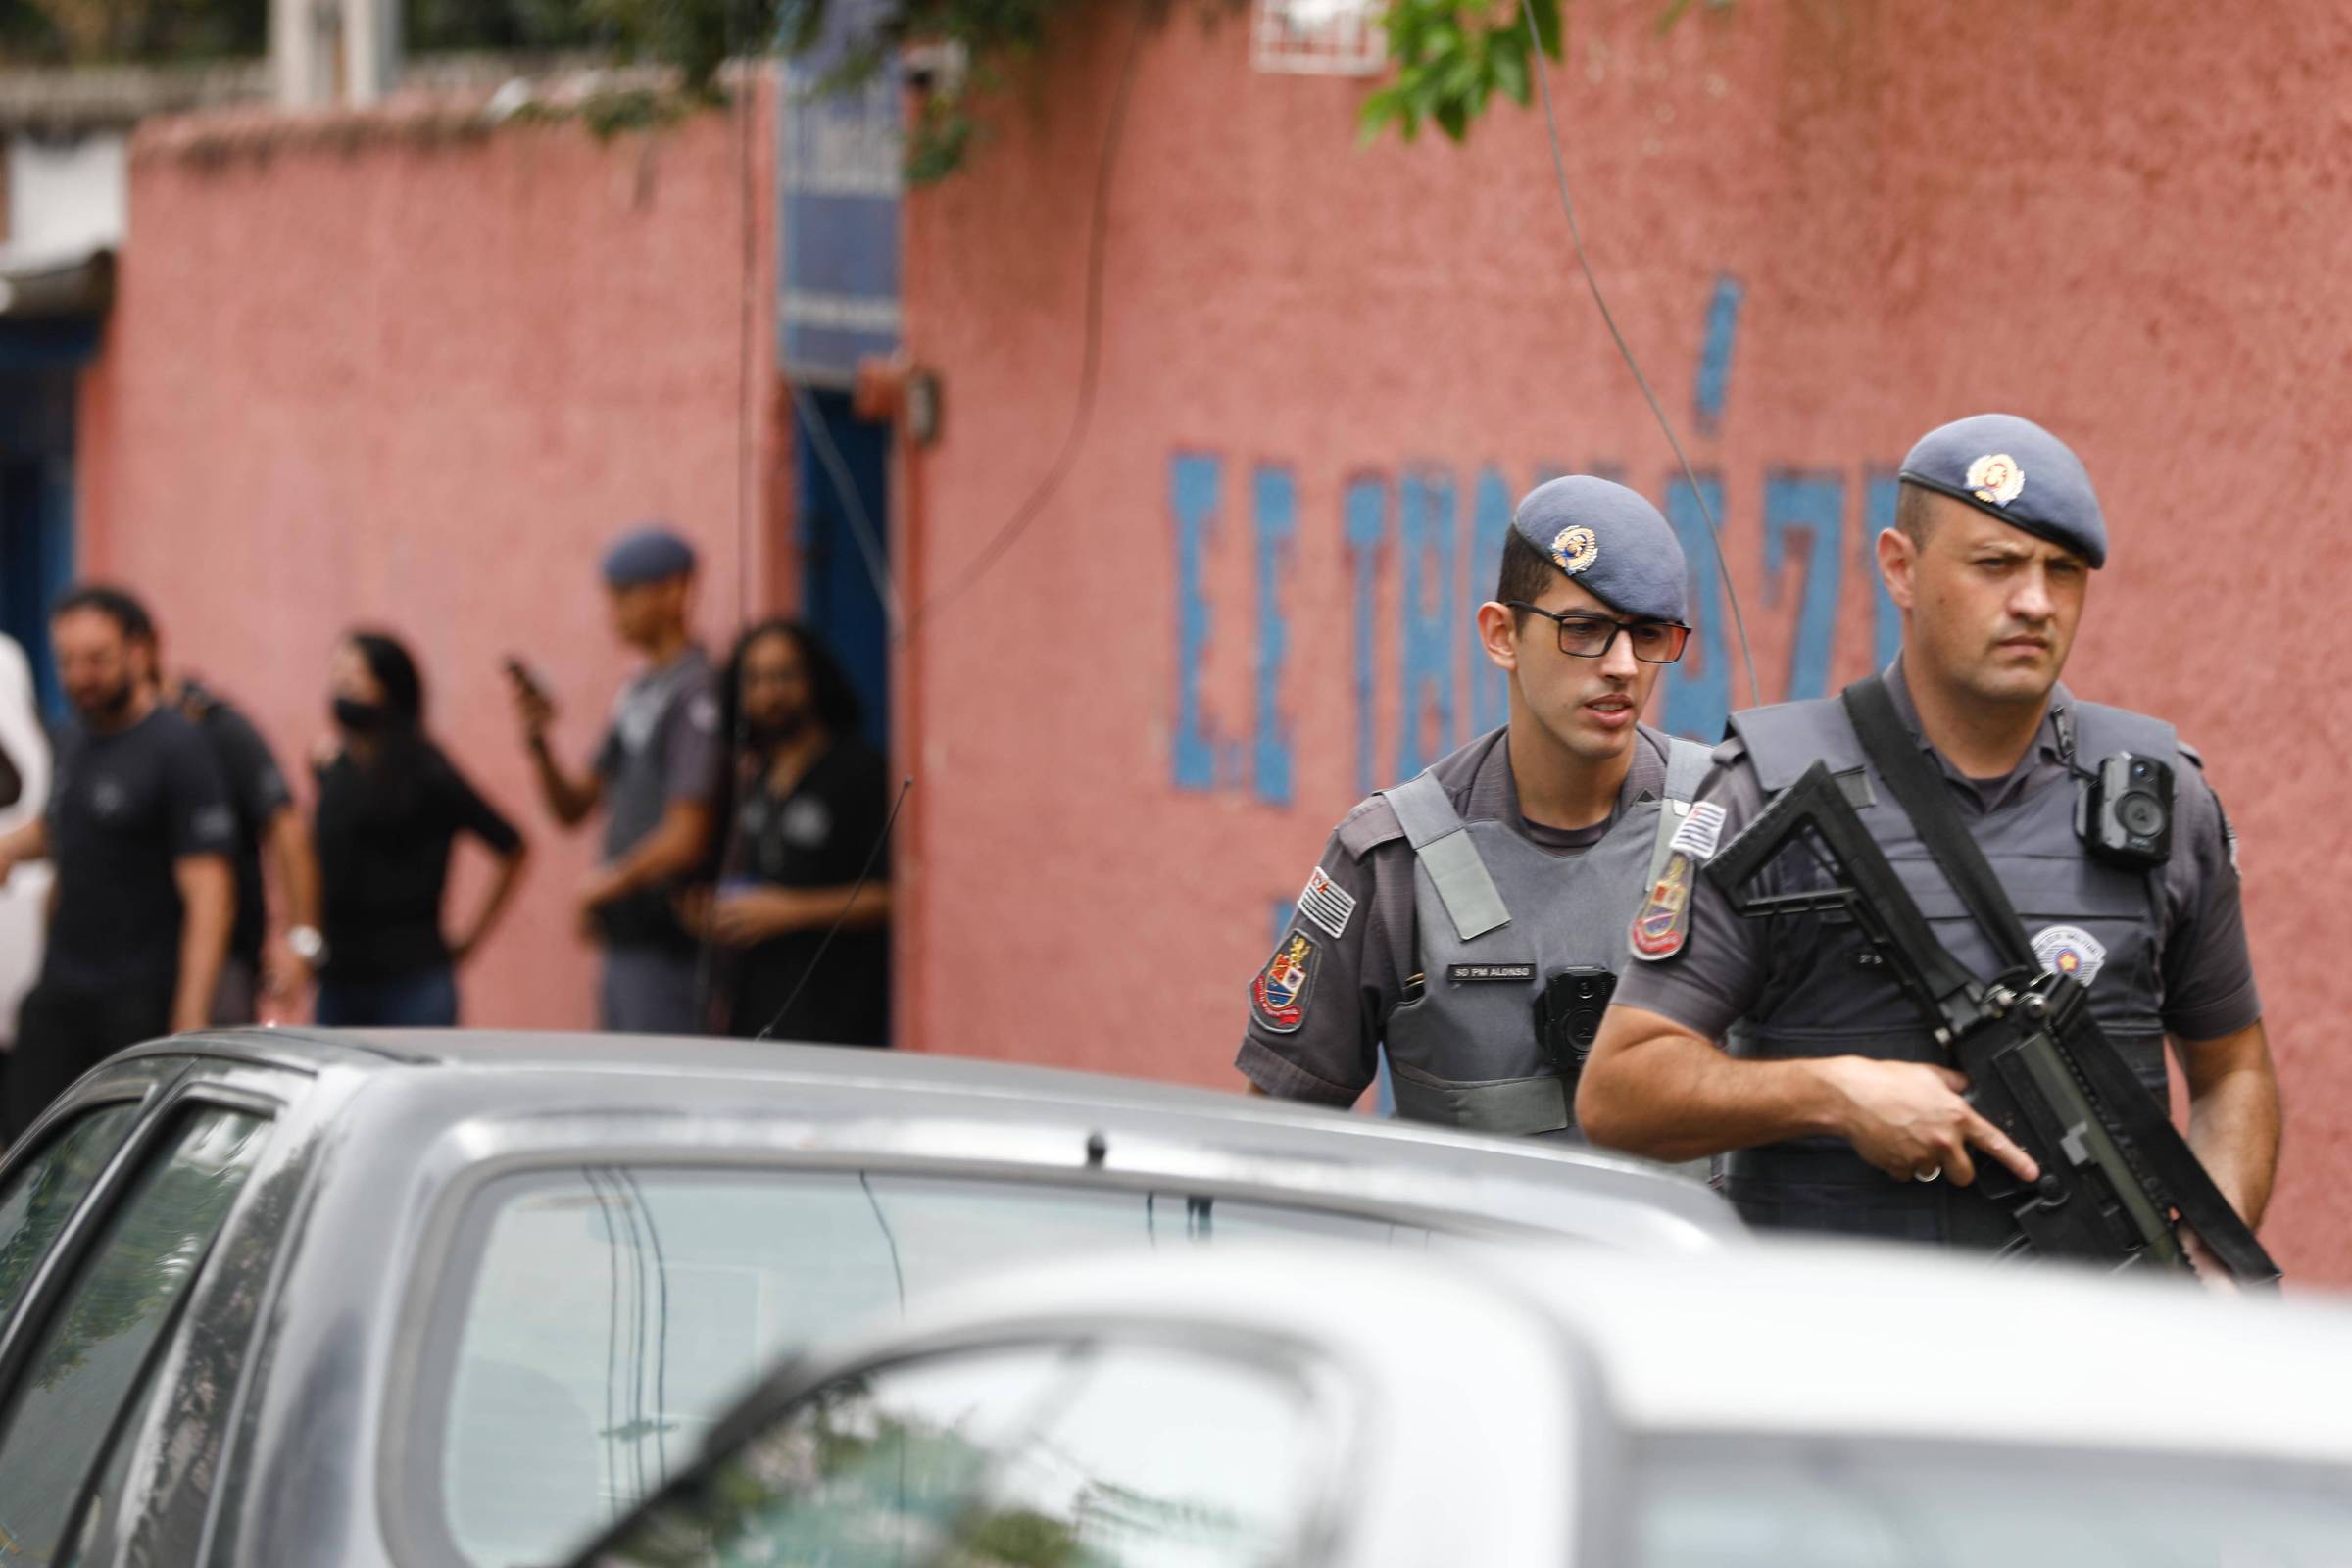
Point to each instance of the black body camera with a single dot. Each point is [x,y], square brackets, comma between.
[2125,812]
[1568,1017]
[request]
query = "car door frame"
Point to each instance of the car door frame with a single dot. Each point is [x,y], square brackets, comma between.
[164,1085]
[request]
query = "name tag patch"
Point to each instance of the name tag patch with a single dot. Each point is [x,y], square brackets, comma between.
[1458,973]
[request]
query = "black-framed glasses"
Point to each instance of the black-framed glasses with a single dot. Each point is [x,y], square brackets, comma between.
[1583,635]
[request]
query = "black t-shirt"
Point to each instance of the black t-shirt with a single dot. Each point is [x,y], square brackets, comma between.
[383,834]
[123,810]
[819,835]
[257,793]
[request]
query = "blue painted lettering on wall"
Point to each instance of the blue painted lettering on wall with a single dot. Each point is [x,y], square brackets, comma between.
[1277,514]
[1877,515]
[1808,508]
[1193,483]
[1699,687]
[1715,358]
[1489,524]
[1444,689]
[1431,621]
[1367,529]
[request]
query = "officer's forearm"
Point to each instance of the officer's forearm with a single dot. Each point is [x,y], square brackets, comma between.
[2234,1115]
[1652,1088]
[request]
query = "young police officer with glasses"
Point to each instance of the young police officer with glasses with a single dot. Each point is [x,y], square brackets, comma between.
[1840,1110]
[1473,918]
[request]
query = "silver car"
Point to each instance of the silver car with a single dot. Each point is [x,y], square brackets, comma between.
[1783,1408]
[272,1299]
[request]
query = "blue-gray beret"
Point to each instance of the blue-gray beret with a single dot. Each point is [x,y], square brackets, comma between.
[2020,474]
[648,553]
[1610,542]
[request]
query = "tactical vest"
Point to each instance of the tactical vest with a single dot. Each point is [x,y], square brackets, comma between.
[1487,902]
[1828,994]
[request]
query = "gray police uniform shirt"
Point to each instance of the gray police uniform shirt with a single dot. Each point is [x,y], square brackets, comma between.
[1322,1044]
[663,747]
[2162,952]
[2204,975]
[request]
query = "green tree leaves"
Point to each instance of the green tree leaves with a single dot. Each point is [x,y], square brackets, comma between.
[1452,56]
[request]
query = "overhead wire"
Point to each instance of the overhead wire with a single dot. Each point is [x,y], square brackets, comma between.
[1576,235]
[1010,532]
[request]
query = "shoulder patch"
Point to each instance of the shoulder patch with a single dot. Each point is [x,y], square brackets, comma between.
[1368,827]
[1327,904]
[1279,994]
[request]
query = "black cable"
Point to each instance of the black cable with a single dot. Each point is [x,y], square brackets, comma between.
[1090,364]
[890,1238]
[841,920]
[628,1214]
[1575,234]
[661,1335]
[611,1333]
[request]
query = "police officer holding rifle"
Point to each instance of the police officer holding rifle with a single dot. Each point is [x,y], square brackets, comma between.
[2025,824]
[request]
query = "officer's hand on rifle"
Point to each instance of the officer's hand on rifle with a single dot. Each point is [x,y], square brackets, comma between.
[1910,1121]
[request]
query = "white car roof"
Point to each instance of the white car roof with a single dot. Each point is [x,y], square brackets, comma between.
[1794,1339]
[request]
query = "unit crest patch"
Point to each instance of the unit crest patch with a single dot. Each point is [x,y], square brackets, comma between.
[1279,993]
[1663,923]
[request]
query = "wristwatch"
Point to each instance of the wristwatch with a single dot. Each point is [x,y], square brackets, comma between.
[308,944]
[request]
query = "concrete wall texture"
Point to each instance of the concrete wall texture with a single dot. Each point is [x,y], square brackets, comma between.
[1326,374]
[365,369]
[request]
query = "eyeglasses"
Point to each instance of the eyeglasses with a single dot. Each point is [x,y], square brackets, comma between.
[1587,636]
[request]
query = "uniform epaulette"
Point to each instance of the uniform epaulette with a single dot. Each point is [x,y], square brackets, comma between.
[1371,824]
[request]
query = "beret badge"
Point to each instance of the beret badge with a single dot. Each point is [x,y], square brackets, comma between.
[1574,548]
[1996,478]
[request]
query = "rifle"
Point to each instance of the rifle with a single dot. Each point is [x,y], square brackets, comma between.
[2114,1172]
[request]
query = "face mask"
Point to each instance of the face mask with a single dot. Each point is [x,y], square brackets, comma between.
[361,718]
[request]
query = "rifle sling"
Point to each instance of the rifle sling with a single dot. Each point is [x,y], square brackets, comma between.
[1919,788]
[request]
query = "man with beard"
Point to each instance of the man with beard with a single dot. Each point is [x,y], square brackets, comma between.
[140,830]
[267,821]
[811,812]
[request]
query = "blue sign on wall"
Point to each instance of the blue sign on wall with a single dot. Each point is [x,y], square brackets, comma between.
[838,163]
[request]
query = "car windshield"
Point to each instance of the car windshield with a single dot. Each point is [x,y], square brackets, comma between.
[615,1313]
[1746,1502]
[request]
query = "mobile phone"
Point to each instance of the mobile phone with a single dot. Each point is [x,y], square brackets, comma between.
[527,679]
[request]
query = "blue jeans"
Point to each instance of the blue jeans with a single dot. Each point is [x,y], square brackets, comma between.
[425,999]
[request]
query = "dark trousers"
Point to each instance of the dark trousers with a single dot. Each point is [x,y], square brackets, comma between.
[62,1034]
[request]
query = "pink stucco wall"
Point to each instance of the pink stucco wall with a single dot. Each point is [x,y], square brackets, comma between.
[2130,231]
[373,369]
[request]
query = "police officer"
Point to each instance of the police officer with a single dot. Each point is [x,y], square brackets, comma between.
[1473,917]
[657,778]
[1840,1108]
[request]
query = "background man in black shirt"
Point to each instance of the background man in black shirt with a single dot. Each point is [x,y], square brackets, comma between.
[266,819]
[810,806]
[140,829]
